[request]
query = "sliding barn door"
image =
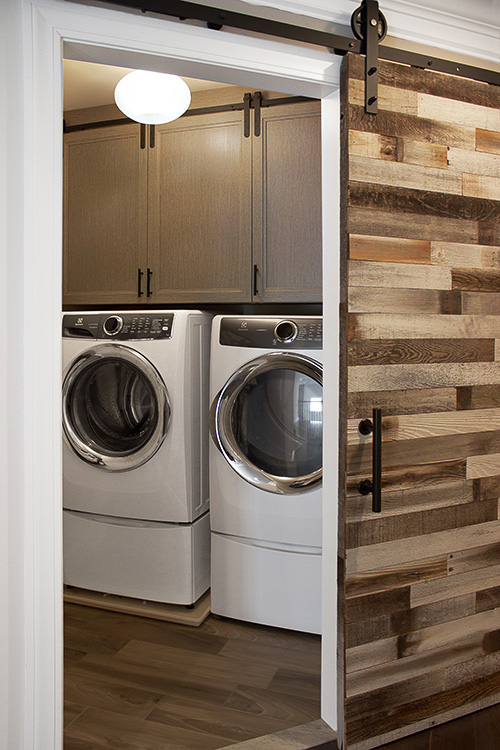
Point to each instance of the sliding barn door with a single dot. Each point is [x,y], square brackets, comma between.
[421,604]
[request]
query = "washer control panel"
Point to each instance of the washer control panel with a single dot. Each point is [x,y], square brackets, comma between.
[122,326]
[272,333]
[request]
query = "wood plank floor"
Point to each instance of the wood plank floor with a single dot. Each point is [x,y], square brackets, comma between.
[139,684]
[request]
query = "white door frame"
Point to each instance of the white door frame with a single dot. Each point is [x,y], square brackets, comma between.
[52,27]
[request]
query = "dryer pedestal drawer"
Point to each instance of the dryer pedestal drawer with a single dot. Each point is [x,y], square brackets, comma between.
[149,560]
[268,583]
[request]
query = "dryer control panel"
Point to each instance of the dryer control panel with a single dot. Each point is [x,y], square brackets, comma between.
[272,333]
[122,326]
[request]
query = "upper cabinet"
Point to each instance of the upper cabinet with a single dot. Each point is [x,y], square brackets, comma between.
[202,210]
[105,215]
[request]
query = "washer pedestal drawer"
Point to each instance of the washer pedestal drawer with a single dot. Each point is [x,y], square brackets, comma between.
[151,560]
[265,582]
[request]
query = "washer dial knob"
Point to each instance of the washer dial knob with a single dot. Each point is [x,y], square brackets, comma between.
[286,331]
[113,325]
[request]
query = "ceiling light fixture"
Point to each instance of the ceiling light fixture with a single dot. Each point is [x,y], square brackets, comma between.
[152,98]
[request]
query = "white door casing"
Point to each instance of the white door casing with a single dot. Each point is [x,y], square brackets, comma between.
[51,29]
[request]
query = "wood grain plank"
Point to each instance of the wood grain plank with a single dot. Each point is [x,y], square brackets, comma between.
[480,303]
[377,604]
[430,82]
[483,466]
[479,397]
[401,275]
[397,577]
[424,154]
[396,326]
[460,255]
[424,476]
[420,226]
[389,98]
[464,672]
[414,497]
[415,711]
[369,680]
[95,725]
[413,427]
[373,145]
[400,351]
[371,654]
[411,126]
[417,201]
[481,186]
[474,162]
[472,559]
[388,554]
[462,631]
[433,450]
[383,377]
[487,141]
[204,666]
[458,112]
[388,249]
[464,583]
[414,301]
[385,529]
[100,692]
[405,175]
[359,405]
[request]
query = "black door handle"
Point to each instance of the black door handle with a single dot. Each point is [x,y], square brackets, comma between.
[148,283]
[140,274]
[373,485]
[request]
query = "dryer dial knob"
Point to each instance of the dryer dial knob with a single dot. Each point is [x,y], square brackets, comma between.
[286,331]
[113,325]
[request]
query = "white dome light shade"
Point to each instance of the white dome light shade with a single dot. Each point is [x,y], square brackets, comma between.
[152,98]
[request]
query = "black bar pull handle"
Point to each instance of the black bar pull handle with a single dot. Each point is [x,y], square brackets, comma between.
[257,103]
[255,280]
[140,274]
[373,485]
[148,283]
[151,136]
[247,100]
[143,135]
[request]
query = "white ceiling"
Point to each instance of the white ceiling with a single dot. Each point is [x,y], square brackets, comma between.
[91,85]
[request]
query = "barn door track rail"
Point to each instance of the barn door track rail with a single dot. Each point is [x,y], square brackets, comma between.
[368,25]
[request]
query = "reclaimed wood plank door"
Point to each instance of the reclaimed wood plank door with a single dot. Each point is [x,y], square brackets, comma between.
[421,265]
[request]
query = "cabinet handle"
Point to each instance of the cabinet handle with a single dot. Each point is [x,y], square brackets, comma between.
[152,136]
[140,274]
[247,100]
[373,485]
[143,136]
[255,280]
[257,103]
[148,283]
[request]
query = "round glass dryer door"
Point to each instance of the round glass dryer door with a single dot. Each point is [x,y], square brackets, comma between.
[268,422]
[116,409]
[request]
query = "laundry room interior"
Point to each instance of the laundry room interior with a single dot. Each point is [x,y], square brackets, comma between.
[192,392]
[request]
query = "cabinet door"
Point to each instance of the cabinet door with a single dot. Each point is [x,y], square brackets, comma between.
[287,204]
[105,215]
[200,211]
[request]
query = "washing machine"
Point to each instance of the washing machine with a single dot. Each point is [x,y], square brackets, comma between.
[135,453]
[266,422]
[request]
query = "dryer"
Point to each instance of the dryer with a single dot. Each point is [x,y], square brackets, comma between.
[266,469]
[135,453]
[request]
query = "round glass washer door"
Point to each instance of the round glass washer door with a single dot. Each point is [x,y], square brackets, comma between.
[116,409]
[268,422]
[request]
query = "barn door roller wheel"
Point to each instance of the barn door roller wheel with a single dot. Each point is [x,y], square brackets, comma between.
[358,24]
